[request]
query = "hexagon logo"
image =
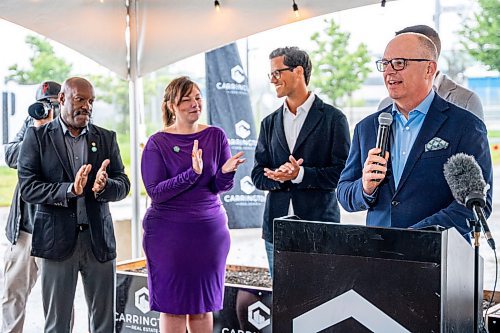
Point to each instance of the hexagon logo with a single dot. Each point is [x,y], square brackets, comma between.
[247,185]
[242,129]
[142,300]
[259,315]
[238,74]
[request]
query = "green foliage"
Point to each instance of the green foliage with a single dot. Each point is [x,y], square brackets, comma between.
[481,36]
[7,185]
[337,72]
[45,65]
[114,91]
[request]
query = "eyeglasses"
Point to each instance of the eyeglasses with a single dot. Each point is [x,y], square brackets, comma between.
[277,73]
[398,64]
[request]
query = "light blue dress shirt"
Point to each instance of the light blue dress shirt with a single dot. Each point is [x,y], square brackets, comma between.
[404,132]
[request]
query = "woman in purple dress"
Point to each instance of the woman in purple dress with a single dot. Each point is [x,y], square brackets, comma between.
[186,237]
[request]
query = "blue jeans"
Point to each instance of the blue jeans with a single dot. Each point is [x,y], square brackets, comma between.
[270,256]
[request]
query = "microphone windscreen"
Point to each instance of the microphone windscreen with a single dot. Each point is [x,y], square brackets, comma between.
[385,119]
[463,175]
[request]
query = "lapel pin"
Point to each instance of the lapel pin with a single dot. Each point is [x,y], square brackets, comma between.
[176,149]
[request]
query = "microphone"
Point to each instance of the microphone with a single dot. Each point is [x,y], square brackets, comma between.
[465,179]
[384,126]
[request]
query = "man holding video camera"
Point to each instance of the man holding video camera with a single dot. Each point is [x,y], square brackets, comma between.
[20,268]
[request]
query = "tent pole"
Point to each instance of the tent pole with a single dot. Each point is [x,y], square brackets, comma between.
[135,90]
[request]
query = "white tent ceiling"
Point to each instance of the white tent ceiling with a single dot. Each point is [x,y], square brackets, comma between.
[162,31]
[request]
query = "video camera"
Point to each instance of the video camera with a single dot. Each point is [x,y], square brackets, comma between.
[46,96]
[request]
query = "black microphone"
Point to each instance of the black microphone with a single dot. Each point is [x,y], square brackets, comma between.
[465,179]
[384,127]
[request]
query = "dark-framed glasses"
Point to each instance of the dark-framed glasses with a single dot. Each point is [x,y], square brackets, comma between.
[398,64]
[277,73]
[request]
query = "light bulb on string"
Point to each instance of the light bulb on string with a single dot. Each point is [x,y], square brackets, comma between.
[295,8]
[217,5]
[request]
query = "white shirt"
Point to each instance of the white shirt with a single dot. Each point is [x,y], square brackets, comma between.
[292,124]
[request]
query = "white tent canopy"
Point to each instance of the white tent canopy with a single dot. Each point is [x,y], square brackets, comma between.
[161,31]
[135,37]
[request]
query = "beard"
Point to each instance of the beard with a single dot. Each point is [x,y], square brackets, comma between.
[71,119]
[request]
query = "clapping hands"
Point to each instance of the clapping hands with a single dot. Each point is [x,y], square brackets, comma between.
[101,178]
[196,156]
[286,171]
[233,162]
[83,175]
[81,179]
[231,165]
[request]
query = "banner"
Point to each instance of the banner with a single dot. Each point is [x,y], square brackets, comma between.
[229,108]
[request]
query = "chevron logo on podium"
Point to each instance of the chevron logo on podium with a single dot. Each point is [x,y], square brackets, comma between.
[349,304]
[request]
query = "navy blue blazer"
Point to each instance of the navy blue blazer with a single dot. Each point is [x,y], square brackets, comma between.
[44,176]
[423,197]
[323,143]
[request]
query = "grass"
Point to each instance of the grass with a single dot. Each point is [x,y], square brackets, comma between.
[7,185]
[495,153]
[494,137]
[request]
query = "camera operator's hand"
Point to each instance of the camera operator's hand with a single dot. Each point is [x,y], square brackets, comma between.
[40,122]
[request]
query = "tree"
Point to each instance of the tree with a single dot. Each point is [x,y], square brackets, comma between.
[338,72]
[45,65]
[481,36]
[115,91]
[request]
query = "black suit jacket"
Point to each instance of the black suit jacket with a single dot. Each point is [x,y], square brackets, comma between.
[323,143]
[44,176]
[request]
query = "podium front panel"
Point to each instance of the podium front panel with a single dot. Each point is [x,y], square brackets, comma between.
[405,292]
[330,277]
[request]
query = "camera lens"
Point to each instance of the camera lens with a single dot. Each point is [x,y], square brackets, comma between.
[37,111]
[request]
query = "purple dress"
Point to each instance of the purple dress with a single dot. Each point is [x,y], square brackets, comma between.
[186,237]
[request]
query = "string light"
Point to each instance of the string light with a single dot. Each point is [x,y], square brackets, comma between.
[217,5]
[295,9]
[382,3]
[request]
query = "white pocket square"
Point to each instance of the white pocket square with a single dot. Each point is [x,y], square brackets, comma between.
[436,144]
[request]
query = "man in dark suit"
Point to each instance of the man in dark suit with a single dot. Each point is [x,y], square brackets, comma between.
[410,190]
[71,169]
[302,148]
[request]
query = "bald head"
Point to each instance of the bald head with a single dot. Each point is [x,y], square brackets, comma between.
[77,100]
[419,46]
[410,84]
[426,31]
[72,82]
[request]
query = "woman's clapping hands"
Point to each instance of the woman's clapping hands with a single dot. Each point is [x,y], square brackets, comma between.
[233,162]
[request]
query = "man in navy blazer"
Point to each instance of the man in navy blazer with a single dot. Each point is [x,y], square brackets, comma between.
[302,148]
[410,191]
[71,169]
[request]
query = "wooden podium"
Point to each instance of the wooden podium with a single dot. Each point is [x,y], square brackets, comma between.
[331,277]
